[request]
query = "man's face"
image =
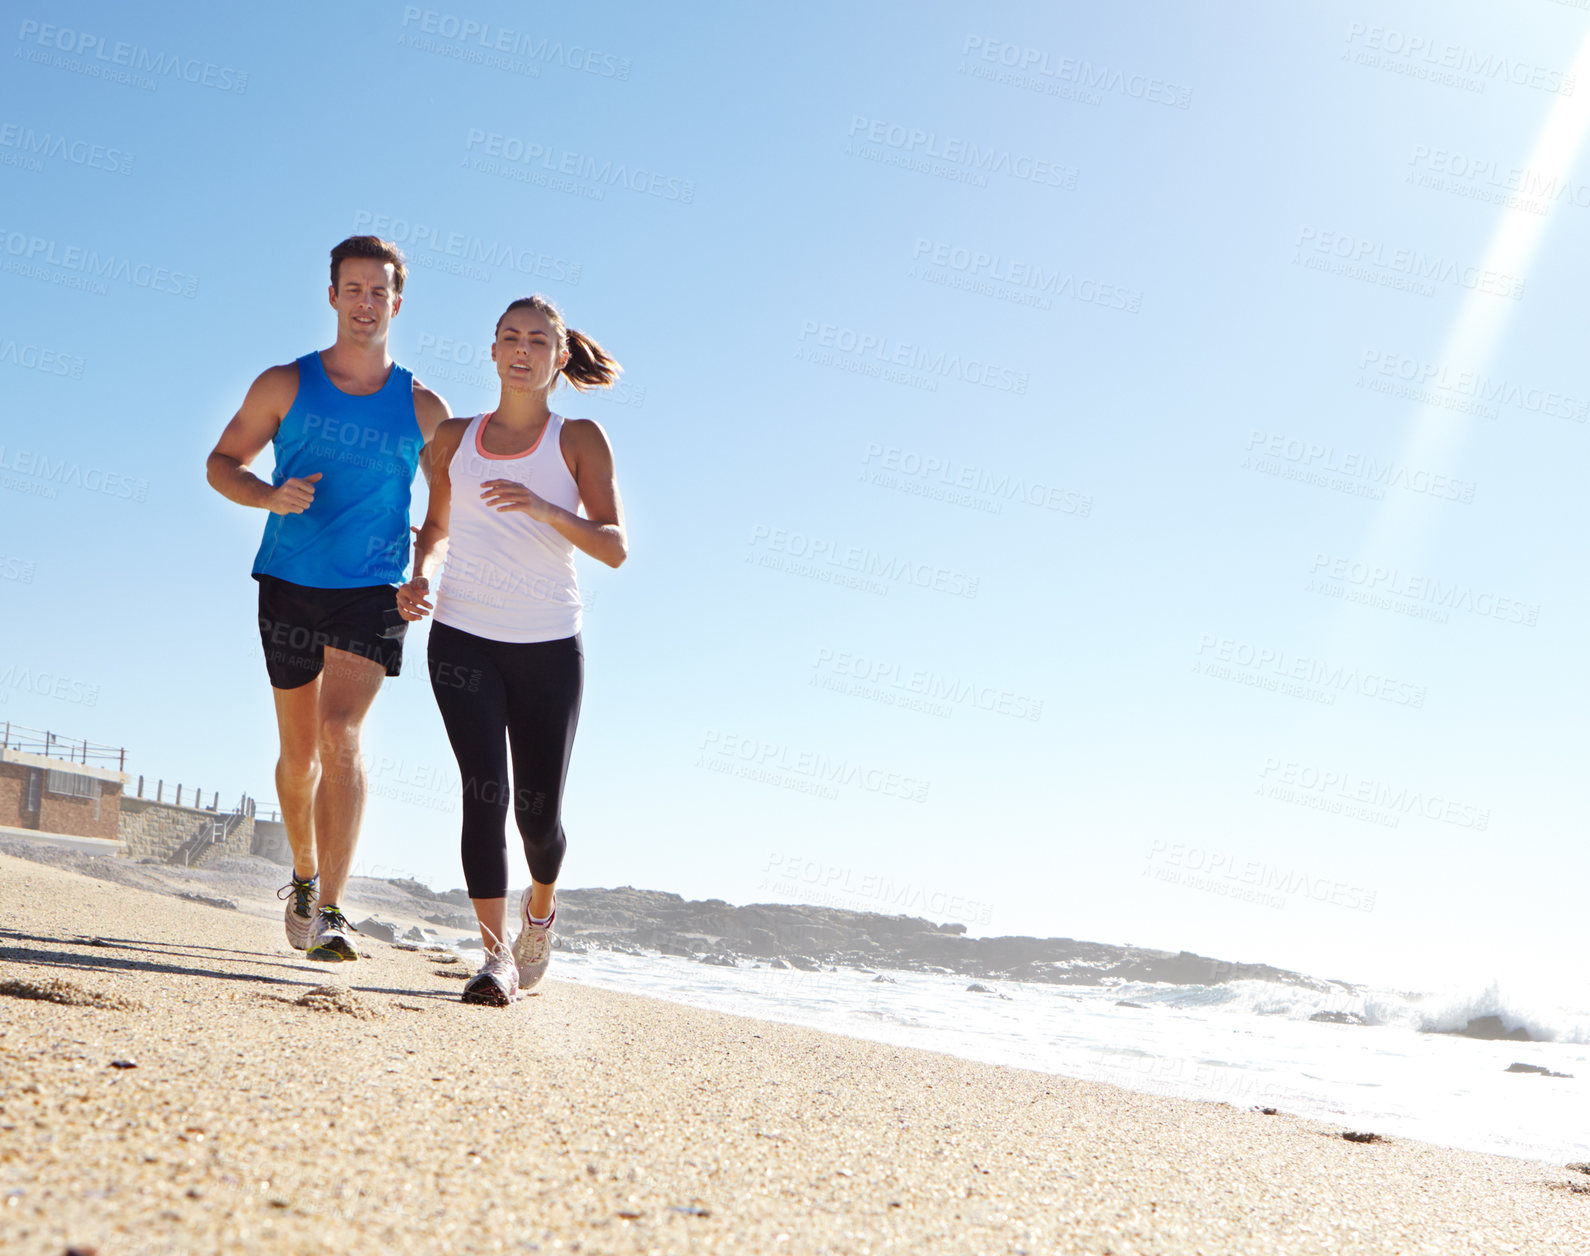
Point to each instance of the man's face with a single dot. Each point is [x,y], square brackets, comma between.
[365,300]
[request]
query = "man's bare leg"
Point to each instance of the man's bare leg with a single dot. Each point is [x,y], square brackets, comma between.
[348,686]
[298,771]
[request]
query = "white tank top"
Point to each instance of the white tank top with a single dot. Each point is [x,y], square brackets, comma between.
[508,577]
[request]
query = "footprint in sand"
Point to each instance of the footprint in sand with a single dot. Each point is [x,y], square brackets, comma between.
[60,990]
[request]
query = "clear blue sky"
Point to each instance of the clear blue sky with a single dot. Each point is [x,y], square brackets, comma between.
[1165,400]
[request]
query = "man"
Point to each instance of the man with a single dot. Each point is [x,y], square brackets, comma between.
[349,427]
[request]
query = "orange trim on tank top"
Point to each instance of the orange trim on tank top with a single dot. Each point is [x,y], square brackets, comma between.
[481,449]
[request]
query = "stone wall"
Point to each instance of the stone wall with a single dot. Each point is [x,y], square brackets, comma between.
[154,830]
[270,842]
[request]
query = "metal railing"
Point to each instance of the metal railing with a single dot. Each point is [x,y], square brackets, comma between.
[42,741]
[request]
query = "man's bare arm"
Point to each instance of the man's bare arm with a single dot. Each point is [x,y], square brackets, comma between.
[430,412]
[253,427]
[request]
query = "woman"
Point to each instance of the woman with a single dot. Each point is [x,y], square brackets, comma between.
[505,658]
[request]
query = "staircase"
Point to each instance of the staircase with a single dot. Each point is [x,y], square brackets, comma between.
[211,833]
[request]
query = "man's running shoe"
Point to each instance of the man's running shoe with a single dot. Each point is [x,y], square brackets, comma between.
[497,982]
[532,949]
[328,939]
[303,897]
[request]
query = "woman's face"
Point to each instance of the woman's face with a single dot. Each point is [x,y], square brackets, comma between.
[525,352]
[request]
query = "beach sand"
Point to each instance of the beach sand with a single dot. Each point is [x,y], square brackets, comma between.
[266,1113]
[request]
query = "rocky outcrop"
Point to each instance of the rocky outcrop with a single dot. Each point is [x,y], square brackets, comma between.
[813,938]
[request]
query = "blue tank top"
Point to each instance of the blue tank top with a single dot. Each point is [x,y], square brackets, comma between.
[367,450]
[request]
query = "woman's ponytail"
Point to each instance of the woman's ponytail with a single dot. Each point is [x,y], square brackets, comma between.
[589,365]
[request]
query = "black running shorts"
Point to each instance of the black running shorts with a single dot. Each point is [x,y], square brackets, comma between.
[297,623]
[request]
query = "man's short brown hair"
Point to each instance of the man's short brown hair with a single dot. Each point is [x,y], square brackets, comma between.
[373,247]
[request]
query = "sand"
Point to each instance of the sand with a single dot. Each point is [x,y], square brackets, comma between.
[174,1079]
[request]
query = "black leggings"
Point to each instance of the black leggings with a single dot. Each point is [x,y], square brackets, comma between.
[530,692]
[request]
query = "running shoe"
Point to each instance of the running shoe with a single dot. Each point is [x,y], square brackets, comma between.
[497,982]
[328,939]
[532,949]
[303,897]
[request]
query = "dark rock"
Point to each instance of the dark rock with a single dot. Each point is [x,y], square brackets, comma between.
[381,930]
[124,1064]
[722,961]
[414,934]
[1490,1028]
[805,963]
[1581,1167]
[225,904]
[881,977]
[1517,1067]
[1128,1003]
[1338,1018]
[778,963]
[1267,1111]
[977,987]
[1359,1136]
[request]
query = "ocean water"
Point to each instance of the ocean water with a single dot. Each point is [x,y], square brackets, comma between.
[1250,1044]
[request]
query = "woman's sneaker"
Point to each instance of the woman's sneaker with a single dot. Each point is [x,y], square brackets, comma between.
[532,949]
[328,938]
[303,898]
[497,982]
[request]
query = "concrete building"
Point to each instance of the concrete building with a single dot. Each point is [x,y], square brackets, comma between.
[76,793]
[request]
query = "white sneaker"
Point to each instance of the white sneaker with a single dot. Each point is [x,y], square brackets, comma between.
[303,900]
[532,949]
[497,982]
[328,938]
